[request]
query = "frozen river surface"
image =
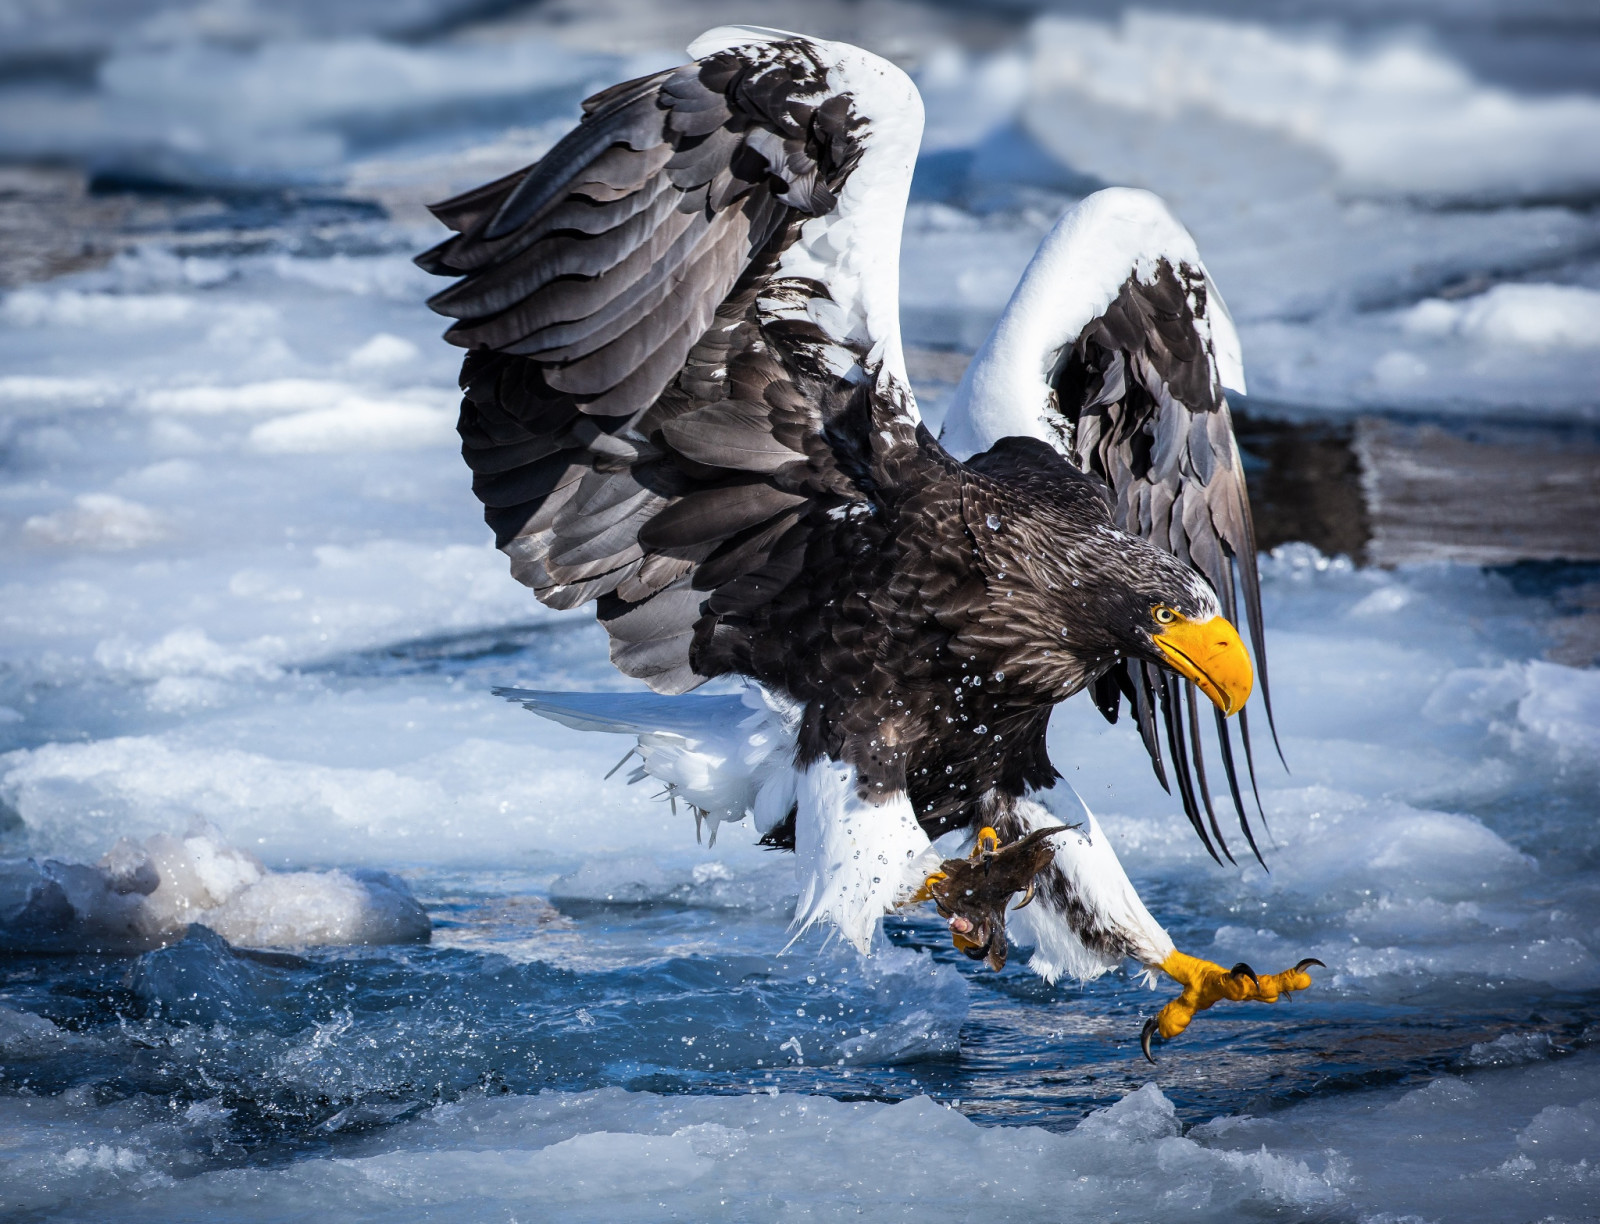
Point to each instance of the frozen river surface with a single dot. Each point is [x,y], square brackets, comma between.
[297,921]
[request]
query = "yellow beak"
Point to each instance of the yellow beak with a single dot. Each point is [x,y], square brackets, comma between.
[1211,654]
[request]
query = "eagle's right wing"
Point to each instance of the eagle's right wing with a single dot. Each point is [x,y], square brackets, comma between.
[1117,349]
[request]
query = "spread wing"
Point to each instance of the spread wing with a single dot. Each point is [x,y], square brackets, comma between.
[1116,348]
[1141,397]
[684,356]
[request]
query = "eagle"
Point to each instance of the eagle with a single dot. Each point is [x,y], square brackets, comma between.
[685,401]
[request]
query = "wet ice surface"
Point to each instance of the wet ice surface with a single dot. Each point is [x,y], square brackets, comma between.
[249,622]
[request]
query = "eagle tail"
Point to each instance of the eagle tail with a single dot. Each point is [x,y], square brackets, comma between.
[727,756]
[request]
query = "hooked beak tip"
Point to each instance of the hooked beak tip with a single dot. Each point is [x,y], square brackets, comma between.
[1211,654]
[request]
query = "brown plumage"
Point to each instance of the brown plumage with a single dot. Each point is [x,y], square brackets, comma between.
[1140,406]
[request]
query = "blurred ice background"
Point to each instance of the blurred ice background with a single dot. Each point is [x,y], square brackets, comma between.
[249,618]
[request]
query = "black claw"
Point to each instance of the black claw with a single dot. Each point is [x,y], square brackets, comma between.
[1149,1031]
[1310,960]
[1244,970]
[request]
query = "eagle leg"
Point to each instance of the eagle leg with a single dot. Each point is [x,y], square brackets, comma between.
[1205,983]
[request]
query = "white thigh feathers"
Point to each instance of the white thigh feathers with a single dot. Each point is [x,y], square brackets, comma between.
[857,859]
[1086,918]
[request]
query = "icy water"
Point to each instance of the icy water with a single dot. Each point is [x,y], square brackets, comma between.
[297,921]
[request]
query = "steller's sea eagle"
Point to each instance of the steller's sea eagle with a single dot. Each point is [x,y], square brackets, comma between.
[686,401]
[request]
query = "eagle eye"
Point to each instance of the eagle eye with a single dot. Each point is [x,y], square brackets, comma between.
[1163,615]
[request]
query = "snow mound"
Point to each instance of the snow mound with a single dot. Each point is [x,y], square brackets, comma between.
[199,113]
[142,896]
[618,1155]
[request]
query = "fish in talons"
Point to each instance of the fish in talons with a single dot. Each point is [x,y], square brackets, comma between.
[1205,983]
[972,893]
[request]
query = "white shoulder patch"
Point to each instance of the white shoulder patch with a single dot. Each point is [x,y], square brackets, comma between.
[855,249]
[724,38]
[1071,280]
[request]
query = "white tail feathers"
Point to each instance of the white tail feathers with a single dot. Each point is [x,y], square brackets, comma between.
[727,757]
[733,756]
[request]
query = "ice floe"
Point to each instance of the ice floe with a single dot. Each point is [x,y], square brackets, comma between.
[141,896]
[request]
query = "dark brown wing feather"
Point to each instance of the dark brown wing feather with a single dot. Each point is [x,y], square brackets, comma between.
[1146,413]
[647,426]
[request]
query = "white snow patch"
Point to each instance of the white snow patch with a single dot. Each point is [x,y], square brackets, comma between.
[141,896]
[1528,316]
[1395,116]
[384,349]
[91,311]
[356,424]
[101,521]
[599,1154]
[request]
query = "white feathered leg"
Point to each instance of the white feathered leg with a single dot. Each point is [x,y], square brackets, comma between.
[856,859]
[1086,917]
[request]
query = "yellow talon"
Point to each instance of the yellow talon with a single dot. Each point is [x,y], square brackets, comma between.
[925,893]
[988,842]
[1205,982]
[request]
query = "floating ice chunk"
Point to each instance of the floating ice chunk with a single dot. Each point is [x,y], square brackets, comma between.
[1563,1132]
[358,424]
[25,1035]
[1142,1116]
[56,907]
[1545,702]
[306,908]
[101,521]
[1529,316]
[1443,1096]
[1562,704]
[1510,1050]
[145,896]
